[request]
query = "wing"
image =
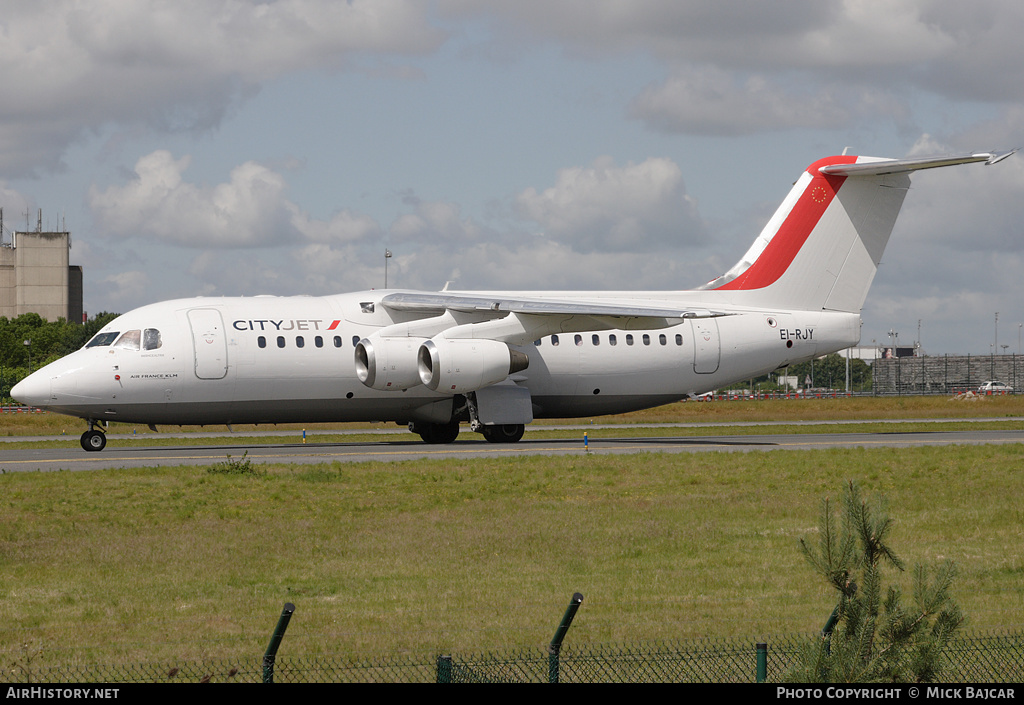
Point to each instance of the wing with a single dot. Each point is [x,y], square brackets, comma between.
[520,320]
[467,303]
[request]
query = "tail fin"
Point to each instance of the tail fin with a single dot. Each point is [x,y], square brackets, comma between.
[822,247]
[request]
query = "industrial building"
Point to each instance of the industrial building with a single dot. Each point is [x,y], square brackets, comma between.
[36,276]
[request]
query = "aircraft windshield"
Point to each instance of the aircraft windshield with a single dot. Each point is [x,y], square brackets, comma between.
[148,339]
[130,340]
[102,339]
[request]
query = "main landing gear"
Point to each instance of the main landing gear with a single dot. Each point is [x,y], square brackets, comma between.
[505,433]
[466,408]
[94,440]
[443,433]
[436,433]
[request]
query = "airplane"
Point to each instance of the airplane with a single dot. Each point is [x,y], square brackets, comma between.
[497,360]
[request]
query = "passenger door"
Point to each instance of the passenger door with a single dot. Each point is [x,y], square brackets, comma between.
[209,342]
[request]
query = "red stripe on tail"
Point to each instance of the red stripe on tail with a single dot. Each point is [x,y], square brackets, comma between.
[795,229]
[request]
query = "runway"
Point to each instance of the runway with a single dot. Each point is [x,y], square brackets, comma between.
[404,446]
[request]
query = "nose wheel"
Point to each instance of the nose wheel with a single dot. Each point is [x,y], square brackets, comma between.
[93,440]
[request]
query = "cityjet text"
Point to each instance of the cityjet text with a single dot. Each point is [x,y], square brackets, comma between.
[285,324]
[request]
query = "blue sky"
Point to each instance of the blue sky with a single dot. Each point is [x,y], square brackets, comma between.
[230,147]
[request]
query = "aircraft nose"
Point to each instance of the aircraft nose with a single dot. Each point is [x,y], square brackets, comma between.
[34,390]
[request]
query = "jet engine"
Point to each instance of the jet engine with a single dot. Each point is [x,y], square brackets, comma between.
[460,365]
[388,364]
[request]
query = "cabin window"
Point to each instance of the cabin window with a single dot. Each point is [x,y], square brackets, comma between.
[355,341]
[319,341]
[679,339]
[130,340]
[612,340]
[151,339]
[662,339]
[595,339]
[261,341]
[337,341]
[300,342]
[536,343]
[554,340]
[280,341]
[629,338]
[647,339]
[101,340]
[578,339]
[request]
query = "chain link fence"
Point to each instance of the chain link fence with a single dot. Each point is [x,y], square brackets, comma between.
[975,658]
[945,374]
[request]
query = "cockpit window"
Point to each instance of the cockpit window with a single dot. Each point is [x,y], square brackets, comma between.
[102,339]
[151,339]
[130,340]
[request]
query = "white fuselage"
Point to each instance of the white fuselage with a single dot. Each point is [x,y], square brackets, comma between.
[291,359]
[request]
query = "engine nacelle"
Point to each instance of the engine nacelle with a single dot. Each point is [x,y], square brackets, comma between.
[388,364]
[460,365]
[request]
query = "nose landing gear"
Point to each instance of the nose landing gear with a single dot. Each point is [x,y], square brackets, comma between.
[93,440]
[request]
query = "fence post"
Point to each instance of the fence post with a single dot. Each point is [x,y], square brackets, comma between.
[762,663]
[444,669]
[270,655]
[556,642]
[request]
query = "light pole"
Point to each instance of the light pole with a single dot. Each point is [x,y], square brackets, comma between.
[28,346]
[387,256]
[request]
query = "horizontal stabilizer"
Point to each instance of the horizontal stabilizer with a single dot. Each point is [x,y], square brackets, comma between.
[902,166]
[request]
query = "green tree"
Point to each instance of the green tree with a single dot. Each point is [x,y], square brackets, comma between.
[828,372]
[47,341]
[871,638]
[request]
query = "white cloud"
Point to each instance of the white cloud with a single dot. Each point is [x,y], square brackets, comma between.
[250,210]
[436,222]
[972,208]
[736,67]
[15,206]
[601,222]
[71,68]
[710,101]
[605,207]
[124,288]
[533,263]
[671,30]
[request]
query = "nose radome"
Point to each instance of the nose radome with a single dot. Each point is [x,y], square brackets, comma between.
[34,390]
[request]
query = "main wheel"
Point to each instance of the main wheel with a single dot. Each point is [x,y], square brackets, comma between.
[438,433]
[506,433]
[94,441]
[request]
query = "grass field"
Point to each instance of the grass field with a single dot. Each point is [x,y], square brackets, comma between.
[472,555]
